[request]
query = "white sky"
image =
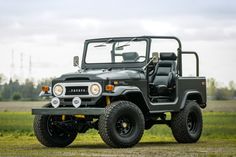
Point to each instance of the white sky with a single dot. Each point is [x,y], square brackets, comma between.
[53,31]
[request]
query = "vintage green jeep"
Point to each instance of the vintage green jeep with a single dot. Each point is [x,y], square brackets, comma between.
[120,90]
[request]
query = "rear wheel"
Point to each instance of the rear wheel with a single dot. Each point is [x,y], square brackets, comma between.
[52,131]
[122,125]
[186,125]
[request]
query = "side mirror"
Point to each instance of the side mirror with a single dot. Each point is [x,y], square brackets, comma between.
[155,57]
[76,61]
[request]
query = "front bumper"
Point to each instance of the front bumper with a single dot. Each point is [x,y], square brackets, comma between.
[68,111]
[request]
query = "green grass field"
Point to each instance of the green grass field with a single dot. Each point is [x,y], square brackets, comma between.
[217,125]
[218,138]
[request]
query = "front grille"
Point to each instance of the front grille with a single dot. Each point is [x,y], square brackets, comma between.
[77,90]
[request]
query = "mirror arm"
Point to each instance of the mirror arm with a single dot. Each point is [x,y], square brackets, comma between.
[144,68]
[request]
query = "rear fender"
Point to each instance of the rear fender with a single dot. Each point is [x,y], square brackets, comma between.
[193,95]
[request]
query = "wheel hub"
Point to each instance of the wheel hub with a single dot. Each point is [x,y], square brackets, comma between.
[124,125]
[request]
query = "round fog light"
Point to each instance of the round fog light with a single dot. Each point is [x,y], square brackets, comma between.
[55,102]
[76,102]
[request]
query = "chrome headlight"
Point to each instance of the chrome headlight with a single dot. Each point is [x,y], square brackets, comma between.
[95,89]
[58,90]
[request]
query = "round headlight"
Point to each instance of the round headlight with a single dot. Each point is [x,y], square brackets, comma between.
[95,89]
[58,90]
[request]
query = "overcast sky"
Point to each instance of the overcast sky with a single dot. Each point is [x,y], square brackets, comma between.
[53,31]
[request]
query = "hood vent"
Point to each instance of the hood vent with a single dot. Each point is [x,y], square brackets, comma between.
[77,79]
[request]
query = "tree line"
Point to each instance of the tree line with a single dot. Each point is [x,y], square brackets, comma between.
[217,92]
[29,90]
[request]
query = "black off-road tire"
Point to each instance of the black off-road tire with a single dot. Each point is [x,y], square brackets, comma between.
[186,125]
[111,125]
[52,138]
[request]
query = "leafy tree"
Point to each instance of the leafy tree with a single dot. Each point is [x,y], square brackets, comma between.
[223,94]
[2,78]
[29,90]
[6,91]
[211,87]
[232,89]
[16,96]
[10,88]
[232,85]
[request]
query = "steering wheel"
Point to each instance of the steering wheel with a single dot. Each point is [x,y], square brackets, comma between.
[137,58]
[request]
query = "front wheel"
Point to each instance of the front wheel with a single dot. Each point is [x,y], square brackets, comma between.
[52,131]
[122,125]
[186,125]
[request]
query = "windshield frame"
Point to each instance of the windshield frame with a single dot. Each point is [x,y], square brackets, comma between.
[118,64]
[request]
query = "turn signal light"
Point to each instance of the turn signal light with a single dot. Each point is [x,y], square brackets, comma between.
[109,88]
[45,89]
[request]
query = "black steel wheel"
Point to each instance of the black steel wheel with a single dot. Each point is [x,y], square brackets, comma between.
[187,124]
[122,125]
[192,122]
[53,131]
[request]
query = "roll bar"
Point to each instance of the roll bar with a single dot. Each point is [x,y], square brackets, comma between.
[179,50]
[180,53]
[197,59]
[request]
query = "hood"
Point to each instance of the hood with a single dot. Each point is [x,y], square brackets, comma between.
[104,75]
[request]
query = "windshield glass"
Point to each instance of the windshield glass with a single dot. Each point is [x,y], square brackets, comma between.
[116,51]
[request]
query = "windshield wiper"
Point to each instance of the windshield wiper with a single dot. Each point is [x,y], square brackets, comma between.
[104,44]
[125,45]
[100,45]
[122,46]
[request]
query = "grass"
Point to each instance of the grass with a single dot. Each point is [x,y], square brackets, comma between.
[12,122]
[217,125]
[218,137]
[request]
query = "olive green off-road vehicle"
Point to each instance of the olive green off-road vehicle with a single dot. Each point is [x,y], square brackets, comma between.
[122,88]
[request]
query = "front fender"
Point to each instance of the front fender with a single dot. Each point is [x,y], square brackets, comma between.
[132,94]
[122,90]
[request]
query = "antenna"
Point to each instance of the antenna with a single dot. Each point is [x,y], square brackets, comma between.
[21,65]
[12,64]
[30,66]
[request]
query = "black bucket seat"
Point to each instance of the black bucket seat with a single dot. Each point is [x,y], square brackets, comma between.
[163,79]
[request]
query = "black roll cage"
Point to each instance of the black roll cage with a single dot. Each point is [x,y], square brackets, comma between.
[148,39]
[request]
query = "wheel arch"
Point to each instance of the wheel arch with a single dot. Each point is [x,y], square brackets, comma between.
[138,99]
[132,94]
[194,96]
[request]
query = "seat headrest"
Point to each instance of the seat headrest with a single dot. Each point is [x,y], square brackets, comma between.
[129,56]
[166,64]
[167,56]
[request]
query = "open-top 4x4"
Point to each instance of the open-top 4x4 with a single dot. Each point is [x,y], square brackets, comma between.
[120,90]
